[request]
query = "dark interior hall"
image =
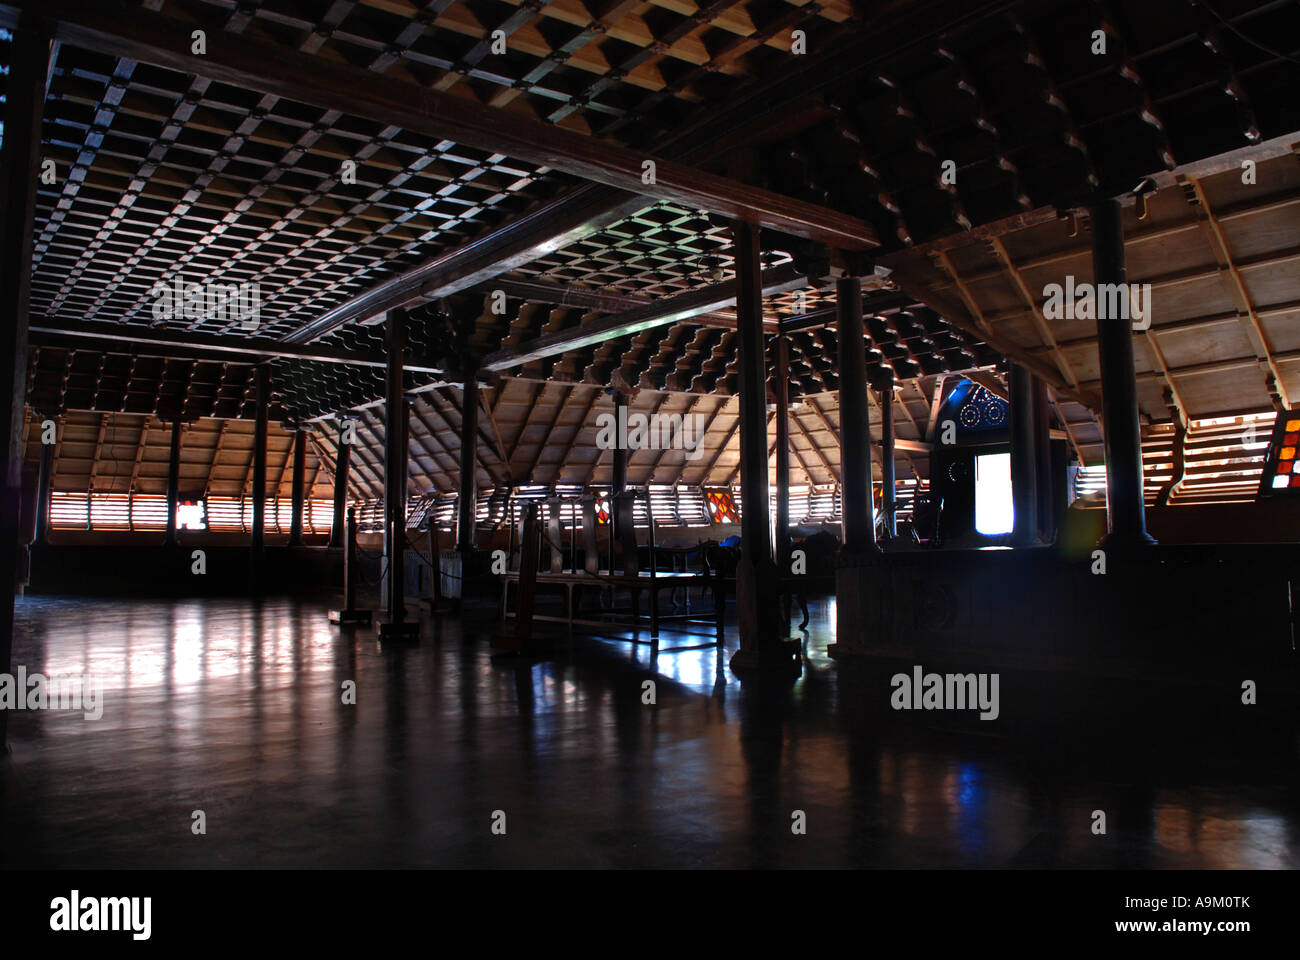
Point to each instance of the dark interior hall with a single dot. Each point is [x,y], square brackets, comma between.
[650,433]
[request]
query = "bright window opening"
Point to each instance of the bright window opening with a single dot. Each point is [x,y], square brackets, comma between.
[994,513]
[190,516]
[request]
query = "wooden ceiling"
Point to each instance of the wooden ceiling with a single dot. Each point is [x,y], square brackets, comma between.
[1223,261]
[164,171]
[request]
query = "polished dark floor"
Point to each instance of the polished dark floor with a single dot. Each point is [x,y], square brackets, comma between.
[235,709]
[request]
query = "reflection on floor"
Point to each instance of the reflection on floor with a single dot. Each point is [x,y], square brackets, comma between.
[236,710]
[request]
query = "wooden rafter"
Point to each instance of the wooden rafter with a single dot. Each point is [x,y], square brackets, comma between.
[436,401]
[546,437]
[771,448]
[826,464]
[444,471]
[577,431]
[726,441]
[631,454]
[1250,321]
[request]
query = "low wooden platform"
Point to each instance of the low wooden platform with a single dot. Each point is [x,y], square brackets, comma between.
[650,583]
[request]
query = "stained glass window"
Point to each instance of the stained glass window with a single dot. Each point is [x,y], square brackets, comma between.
[722,508]
[1280,473]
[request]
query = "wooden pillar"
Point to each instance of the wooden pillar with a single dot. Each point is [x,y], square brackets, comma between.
[1024,456]
[862,582]
[855,419]
[1046,505]
[338,529]
[619,479]
[29,61]
[781,389]
[44,486]
[1125,508]
[299,484]
[618,475]
[755,523]
[259,466]
[396,449]
[173,482]
[757,586]
[468,502]
[888,473]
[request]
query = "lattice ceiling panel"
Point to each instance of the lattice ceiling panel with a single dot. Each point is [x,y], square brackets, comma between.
[659,251]
[588,66]
[162,176]
[61,380]
[1030,116]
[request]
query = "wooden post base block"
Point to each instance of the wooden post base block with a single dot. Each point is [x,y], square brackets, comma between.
[758,605]
[782,658]
[857,610]
[399,630]
[505,641]
[350,617]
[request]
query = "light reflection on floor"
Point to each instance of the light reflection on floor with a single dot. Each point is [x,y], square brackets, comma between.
[237,710]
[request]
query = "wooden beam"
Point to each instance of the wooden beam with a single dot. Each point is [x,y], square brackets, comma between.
[803,464]
[989,381]
[815,407]
[193,344]
[663,398]
[546,437]
[830,470]
[690,409]
[94,457]
[140,447]
[595,462]
[479,429]
[363,461]
[435,406]
[447,472]
[659,313]
[704,475]
[1044,329]
[496,430]
[936,404]
[568,448]
[376,466]
[913,446]
[311,487]
[735,471]
[1250,321]
[603,301]
[959,315]
[423,441]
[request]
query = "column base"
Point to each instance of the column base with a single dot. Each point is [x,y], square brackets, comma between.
[847,651]
[779,658]
[349,617]
[399,630]
[1127,541]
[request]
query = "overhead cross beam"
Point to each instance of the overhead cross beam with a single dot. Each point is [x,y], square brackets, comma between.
[683,306]
[153,341]
[568,295]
